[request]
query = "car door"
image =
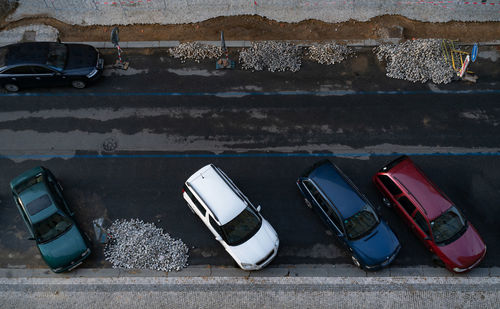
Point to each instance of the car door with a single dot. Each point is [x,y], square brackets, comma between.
[325,211]
[21,76]
[47,77]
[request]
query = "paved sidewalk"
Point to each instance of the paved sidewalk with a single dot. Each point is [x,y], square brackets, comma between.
[305,286]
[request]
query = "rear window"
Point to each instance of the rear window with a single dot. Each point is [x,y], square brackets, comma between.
[389,184]
[38,204]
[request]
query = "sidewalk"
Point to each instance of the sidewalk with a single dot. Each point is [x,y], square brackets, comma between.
[303,286]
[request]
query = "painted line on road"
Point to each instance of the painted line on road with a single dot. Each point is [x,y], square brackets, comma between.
[242,155]
[252,93]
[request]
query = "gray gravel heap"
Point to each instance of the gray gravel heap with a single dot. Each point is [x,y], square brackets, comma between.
[195,51]
[329,53]
[271,55]
[416,61]
[139,245]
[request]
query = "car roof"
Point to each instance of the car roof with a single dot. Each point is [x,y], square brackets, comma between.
[27,53]
[217,194]
[330,180]
[430,198]
[33,193]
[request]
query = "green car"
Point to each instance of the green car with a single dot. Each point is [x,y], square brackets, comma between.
[38,196]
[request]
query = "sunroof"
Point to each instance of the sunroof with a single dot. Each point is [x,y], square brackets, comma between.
[39,204]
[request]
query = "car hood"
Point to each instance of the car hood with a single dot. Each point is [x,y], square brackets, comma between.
[64,249]
[466,250]
[376,247]
[257,247]
[81,56]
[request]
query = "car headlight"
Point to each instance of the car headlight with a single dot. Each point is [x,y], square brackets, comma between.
[246,265]
[93,73]
[459,270]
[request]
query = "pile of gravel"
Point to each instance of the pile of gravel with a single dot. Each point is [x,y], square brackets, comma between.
[329,53]
[139,245]
[417,61]
[195,51]
[271,55]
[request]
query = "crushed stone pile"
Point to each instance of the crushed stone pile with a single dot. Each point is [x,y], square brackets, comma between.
[416,61]
[138,245]
[329,53]
[195,51]
[271,55]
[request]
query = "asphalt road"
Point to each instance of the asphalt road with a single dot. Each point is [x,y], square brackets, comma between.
[167,119]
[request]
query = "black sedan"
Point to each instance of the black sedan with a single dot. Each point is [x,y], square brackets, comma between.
[40,64]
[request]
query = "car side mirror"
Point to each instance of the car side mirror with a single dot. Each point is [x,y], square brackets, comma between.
[259,208]
[31,238]
[218,238]
[427,238]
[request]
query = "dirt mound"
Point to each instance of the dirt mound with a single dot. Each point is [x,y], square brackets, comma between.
[256,28]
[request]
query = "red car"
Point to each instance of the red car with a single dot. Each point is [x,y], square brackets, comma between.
[431,215]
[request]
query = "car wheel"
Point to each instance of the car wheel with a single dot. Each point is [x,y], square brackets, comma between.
[308,204]
[78,84]
[11,87]
[355,261]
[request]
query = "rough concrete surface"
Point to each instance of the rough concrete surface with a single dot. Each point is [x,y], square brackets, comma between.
[103,12]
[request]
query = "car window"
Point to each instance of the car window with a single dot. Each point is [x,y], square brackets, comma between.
[19,70]
[202,209]
[407,205]
[323,204]
[421,222]
[242,227]
[41,70]
[361,223]
[448,227]
[51,227]
[389,184]
[57,55]
[214,225]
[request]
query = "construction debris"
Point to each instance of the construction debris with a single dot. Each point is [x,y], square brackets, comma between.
[329,53]
[271,55]
[195,51]
[138,245]
[416,61]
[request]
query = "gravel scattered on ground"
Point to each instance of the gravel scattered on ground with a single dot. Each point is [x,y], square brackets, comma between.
[271,55]
[139,245]
[195,51]
[416,61]
[329,53]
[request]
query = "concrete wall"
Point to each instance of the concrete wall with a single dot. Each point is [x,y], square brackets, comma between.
[107,12]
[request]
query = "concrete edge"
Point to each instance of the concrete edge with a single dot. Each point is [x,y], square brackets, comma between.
[244,44]
[300,271]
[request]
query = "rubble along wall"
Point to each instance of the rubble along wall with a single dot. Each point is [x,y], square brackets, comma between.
[110,12]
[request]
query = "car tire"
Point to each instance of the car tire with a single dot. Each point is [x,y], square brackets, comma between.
[308,204]
[11,87]
[355,261]
[78,84]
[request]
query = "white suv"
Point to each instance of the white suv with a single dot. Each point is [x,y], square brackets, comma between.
[229,215]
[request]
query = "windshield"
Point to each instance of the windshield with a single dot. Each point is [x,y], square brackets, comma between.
[361,223]
[57,55]
[242,227]
[448,227]
[51,227]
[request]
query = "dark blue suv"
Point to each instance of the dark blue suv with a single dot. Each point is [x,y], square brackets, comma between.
[349,215]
